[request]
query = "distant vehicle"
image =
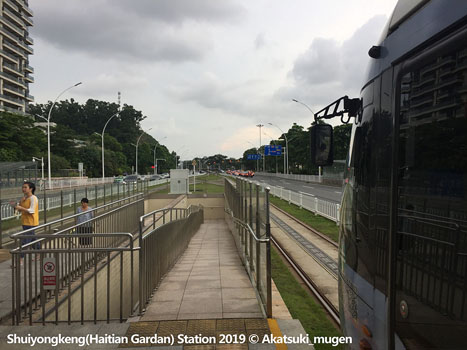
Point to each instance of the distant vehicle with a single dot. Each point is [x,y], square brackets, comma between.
[131,178]
[246,173]
[154,177]
[119,179]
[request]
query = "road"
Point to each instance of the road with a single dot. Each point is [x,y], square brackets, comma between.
[330,193]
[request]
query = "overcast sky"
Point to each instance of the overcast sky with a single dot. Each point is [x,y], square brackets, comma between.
[205,72]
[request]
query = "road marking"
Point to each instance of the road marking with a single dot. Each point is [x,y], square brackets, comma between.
[338,192]
[309,194]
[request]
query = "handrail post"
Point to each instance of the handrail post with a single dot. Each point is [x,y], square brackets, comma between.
[140,267]
[258,247]
[268,257]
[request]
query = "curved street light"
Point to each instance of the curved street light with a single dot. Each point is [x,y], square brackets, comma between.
[49,161]
[102,135]
[137,144]
[319,168]
[304,105]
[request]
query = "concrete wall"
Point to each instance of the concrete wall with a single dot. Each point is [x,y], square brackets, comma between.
[213,205]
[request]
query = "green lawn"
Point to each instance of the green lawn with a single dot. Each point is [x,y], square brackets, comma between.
[323,225]
[301,305]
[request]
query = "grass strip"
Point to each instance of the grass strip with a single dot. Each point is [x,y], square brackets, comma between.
[301,305]
[323,225]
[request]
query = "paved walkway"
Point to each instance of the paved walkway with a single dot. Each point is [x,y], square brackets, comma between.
[209,281]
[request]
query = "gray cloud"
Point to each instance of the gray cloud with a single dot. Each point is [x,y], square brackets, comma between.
[329,70]
[260,41]
[136,30]
[180,10]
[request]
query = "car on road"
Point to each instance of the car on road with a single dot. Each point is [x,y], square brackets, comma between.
[119,179]
[131,178]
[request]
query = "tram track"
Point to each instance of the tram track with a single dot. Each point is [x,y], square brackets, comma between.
[321,258]
[309,283]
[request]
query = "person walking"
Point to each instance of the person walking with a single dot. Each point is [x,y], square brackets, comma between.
[29,209]
[85,225]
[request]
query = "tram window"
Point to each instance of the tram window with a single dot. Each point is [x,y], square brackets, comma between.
[432,232]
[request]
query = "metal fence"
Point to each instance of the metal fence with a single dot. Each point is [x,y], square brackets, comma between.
[327,209]
[164,236]
[247,207]
[298,177]
[76,257]
[68,198]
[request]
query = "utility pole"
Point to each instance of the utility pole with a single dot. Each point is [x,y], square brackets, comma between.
[259,149]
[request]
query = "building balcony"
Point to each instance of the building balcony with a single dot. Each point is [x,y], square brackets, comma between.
[14,49]
[27,20]
[13,16]
[13,100]
[9,56]
[12,69]
[29,40]
[28,69]
[13,90]
[12,26]
[25,7]
[9,35]
[12,79]
[11,5]
[12,110]
[26,48]
[30,98]
[29,78]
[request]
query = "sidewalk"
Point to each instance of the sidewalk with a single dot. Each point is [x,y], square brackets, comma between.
[209,281]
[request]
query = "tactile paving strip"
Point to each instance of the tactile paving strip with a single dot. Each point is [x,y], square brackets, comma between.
[256,324]
[231,325]
[206,328]
[321,257]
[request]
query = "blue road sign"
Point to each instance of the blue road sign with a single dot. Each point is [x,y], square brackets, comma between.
[253,156]
[273,150]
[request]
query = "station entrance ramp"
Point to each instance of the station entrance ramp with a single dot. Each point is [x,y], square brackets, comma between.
[169,263]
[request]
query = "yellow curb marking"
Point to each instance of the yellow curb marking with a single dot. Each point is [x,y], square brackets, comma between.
[276,332]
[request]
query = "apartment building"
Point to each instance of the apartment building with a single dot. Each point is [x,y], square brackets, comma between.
[15,48]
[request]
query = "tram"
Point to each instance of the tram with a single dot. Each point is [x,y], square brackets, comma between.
[403,233]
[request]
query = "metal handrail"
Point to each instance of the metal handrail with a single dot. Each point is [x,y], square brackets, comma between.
[14,235]
[248,227]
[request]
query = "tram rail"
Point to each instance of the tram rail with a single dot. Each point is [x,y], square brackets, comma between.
[309,283]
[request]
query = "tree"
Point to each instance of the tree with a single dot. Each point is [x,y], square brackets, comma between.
[20,140]
[341,138]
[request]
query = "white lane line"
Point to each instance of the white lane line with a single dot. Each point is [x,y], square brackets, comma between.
[338,192]
[308,187]
[309,194]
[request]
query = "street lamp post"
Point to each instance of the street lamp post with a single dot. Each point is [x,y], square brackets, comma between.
[286,147]
[42,164]
[102,135]
[137,144]
[259,149]
[49,161]
[304,104]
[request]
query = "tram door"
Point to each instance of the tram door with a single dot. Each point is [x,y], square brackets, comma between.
[431,245]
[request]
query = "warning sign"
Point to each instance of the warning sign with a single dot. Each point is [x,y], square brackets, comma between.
[49,273]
